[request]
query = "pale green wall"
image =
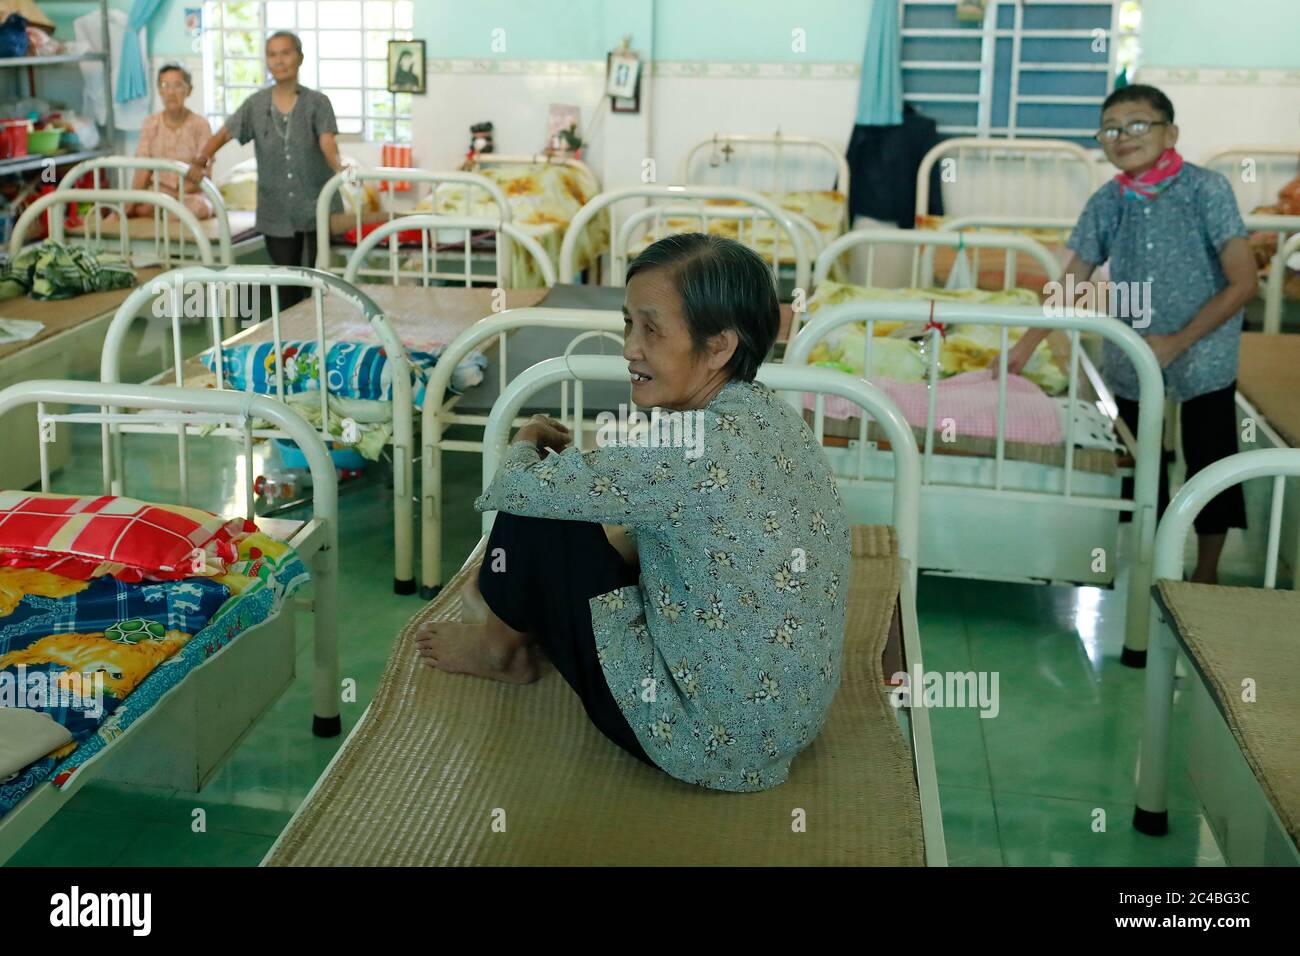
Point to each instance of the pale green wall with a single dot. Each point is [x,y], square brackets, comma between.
[1264,34]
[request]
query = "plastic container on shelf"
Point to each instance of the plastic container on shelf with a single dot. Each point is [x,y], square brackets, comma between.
[44,141]
[13,138]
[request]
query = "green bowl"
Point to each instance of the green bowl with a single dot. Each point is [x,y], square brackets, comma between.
[44,140]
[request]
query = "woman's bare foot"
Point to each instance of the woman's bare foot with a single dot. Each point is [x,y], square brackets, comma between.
[460,648]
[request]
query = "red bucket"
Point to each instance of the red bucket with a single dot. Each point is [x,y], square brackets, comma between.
[13,138]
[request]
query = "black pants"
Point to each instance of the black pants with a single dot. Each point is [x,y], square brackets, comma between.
[1209,433]
[288,251]
[551,570]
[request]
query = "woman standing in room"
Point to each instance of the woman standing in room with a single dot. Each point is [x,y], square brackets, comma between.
[294,137]
[175,133]
[714,652]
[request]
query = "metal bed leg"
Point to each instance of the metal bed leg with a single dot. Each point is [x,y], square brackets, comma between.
[325,721]
[431,523]
[1151,815]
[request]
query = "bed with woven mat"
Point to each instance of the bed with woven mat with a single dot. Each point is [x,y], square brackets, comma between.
[1240,642]
[446,770]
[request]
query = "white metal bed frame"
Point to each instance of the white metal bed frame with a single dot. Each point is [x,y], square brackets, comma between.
[439,409]
[429,226]
[316,541]
[953,482]
[1287,229]
[162,239]
[924,242]
[217,283]
[118,197]
[1268,174]
[1151,815]
[682,201]
[532,159]
[1025,152]
[355,175]
[724,144]
[904,511]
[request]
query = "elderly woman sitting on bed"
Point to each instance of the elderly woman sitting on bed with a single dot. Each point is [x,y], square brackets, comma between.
[712,647]
[175,133]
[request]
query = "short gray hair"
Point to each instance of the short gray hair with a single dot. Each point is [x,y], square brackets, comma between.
[297,43]
[176,68]
[723,286]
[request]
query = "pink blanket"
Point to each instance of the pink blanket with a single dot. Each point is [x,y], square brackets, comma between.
[970,401]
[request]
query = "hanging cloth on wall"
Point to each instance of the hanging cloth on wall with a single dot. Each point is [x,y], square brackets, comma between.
[128,115]
[883,161]
[132,81]
[880,94]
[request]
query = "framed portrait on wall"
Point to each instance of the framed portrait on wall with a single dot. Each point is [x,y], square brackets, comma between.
[623,70]
[406,66]
[623,81]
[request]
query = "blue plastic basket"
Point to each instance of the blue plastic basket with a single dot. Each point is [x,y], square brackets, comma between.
[348,459]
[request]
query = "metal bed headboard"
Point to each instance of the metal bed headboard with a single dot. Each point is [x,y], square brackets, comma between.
[782,173]
[355,175]
[678,197]
[1147,448]
[925,241]
[162,226]
[1286,229]
[438,411]
[608,368]
[185,407]
[504,234]
[533,159]
[218,285]
[64,197]
[1271,167]
[1029,177]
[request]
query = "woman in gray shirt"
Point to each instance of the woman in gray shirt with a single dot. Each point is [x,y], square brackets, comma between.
[293,133]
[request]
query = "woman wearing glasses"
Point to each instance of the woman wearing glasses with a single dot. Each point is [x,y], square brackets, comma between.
[1173,235]
[175,133]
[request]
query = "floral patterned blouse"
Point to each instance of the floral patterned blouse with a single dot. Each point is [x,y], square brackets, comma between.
[725,657]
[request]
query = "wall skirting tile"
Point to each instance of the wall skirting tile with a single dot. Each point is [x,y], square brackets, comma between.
[686,69]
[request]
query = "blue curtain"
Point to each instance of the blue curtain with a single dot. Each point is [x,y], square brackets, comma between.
[131,80]
[880,97]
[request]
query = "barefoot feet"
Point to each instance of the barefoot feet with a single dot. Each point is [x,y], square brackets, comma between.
[460,648]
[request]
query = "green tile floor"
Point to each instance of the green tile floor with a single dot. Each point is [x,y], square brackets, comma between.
[1023,788]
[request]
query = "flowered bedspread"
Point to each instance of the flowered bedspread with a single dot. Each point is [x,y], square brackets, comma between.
[823,208]
[897,353]
[543,200]
[136,641]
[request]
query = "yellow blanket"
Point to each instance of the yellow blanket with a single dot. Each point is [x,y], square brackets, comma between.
[543,199]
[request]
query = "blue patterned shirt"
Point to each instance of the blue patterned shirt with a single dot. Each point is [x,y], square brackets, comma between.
[725,656]
[1173,242]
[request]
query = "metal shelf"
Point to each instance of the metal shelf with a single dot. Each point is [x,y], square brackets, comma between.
[50,60]
[37,160]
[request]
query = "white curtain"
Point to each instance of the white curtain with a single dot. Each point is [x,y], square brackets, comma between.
[129,115]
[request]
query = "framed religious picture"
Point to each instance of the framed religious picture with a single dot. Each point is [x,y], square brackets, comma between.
[406,66]
[623,69]
[623,81]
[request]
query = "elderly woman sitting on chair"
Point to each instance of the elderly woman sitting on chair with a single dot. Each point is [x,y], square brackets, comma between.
[710,644]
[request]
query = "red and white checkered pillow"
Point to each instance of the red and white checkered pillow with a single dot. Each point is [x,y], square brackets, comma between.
[83,538]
